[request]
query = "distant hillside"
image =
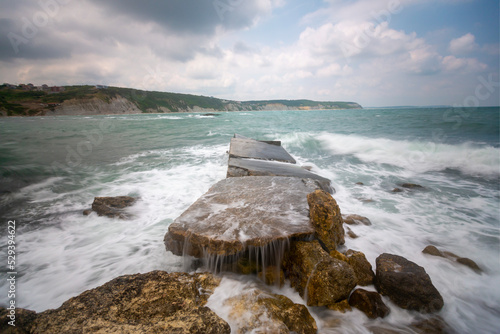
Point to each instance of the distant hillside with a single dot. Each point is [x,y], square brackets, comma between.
[27,100]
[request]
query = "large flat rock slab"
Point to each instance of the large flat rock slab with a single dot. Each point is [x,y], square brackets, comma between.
[241,212]
[241,147]
[238,167]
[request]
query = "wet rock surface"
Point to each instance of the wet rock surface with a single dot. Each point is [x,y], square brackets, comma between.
[320,279]
[369,302]
[434,251]
[326,219]
[143,303]
[261,312]
[242,147]
[240,212]
[111,206]
[362,268]
[406,284]
[356,220]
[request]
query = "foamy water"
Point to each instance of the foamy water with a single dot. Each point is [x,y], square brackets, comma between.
[168,161]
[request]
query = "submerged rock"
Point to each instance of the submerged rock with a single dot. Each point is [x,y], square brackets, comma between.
[238,213]
[259,312]
[320,279]
[411,186]
[356,220]
[434,251]
[406,284]
[369,302]
[326,219]
[143,303]
[111,206]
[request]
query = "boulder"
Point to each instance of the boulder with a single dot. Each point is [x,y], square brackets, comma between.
[411,186]
[356,220]
[469,263]
[432,250]
[23,321]
[362,268]
[320,279]
[111,206]
[143,303]
[369,302]
[326,219]
[406,284]
[241,213]
[256,311]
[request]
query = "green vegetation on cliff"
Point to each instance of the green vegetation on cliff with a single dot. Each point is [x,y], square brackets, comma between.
[26,101]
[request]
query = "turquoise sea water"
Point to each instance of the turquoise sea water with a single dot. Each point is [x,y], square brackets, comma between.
[51,168]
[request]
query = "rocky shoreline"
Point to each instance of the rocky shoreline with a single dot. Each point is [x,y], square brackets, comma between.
[274,221]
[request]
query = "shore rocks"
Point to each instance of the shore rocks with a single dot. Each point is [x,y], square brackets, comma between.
[369,302]
[320,279]
[142,303]
[242,212]
[260,312]
[111,206]
[356,220]
[432,250]
[362,268]
[406,284]
[326,219]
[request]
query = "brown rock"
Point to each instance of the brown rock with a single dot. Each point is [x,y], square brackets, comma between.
[406,284]
[272,276]
[326,219]
[342,306]
[112,206]
[362,268]
[269,313]
[22,319]
[142,303]
[469,263]
[432,250]
[370,303]
[434,325]
[356,219]
[397,190]
[351,234]
[411,186]
[319,278]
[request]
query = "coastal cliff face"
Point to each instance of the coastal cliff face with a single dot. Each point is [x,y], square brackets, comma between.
[96,106]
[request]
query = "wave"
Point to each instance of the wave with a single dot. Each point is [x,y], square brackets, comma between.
[469,158]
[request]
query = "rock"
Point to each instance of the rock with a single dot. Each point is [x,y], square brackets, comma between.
[342,306]
[111,206]
[210,114]
[469,263]
[411,186]
[369,302]
[241,147]
[356,219]
[326,219]
[272,275]
[339,256]
[432,250]
[23,321]
[238,167]
[87,212]
[260,312]
[360,184]
[434,325]
[397,190]
[242,212]
[351,234]
[320,279]
[143,303]
[362,268]
[406,284]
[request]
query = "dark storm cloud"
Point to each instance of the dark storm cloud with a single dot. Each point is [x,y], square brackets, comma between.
[197,17]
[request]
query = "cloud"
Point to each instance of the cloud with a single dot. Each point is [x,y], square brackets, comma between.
[463,45]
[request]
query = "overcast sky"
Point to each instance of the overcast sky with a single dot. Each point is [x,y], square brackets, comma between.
[374,52]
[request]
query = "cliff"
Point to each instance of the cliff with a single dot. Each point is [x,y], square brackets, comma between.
[90,100]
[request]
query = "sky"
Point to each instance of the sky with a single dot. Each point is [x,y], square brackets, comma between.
[374,52]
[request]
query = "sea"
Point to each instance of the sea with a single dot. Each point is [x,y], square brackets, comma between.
[51,168]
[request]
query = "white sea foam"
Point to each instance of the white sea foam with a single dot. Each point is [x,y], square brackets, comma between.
[417,156]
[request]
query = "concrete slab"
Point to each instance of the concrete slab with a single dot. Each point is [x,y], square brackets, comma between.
[242,212]
[254,149]
[238,167]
